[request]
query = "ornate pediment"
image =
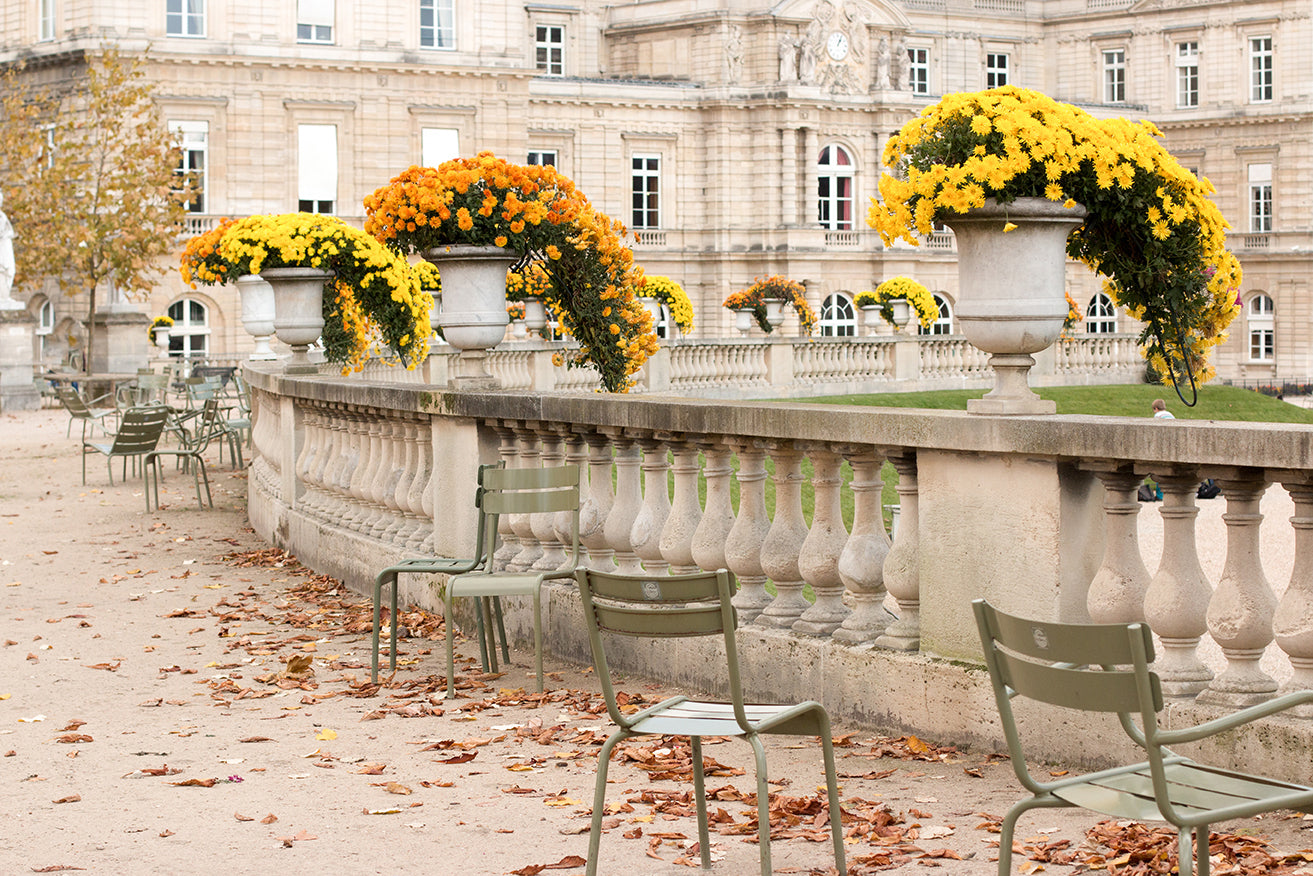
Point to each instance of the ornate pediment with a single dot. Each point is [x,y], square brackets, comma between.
[843,46]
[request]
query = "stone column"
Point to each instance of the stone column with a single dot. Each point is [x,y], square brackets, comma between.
[645,536]
[711,538]
[861,564]
[1176,603]
[1241,610]
[18,389]
[628,502]
[811,149]
[818,558]
[685,512]
[788,177]
[779,553]
[746,536]
[594,510]
[902,567]
[1117,591]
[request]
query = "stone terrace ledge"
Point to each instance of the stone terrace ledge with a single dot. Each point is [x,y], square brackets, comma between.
[1037,514]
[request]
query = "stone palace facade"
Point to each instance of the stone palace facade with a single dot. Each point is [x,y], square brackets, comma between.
[735,138]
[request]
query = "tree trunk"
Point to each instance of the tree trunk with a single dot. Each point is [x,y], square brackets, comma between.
[91,329]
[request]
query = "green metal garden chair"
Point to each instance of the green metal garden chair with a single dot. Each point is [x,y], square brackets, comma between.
[693,605]
[500,491]
[89,413]
[138,434]
[191,452]
[1105,668]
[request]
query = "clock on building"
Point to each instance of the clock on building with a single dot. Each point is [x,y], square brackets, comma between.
[837,46]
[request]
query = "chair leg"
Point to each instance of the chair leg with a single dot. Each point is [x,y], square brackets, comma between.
[483,631]
[763,804]
[451,641]
[199,476]
[700,798]
[383,576]
[1008,827]
[599,801]
[537,636]
[501,630]
[148,481]
[832,791]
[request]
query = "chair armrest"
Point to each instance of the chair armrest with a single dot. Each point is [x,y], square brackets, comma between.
[1236,719]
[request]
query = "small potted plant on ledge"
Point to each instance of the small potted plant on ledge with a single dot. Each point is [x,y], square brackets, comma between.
[532,214]
[665,291]
[895,300]
[1024,181]
[330,280]
[774,290]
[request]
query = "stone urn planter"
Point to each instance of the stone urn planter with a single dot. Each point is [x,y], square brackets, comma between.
[258,314]
[298,312]
[535,314]
[161,336]
[774,312]
[902,312]
[743,320]
[1011,300]
[872,319]
[473,317]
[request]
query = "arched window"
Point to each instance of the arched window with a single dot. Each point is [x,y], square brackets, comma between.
[838,318]
[834,189]
[943,325]
[45,326]
[1262,328]
[1100,316]
[189,337]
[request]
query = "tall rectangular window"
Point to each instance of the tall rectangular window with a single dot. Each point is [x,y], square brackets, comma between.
[1114,76]
[646,191]
[1260,69]
[1187,74]
[437,145]
[918,71]
[185,18]
[193,137]
[316,168]
[1260,197]
[314,21]
[549,49]
[996,70]
[542,157]
[1262,329]
[46,20]
[437,24]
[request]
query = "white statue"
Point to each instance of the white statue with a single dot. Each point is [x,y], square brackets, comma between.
[899,65]
[788,60]
[7,266]
[734,54]
[882,64]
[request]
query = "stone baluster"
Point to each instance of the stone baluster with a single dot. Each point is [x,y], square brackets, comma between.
[576,453]
[1176,603]
[596,508]
[685,511]
[310,447]
[645,536]
[544,524]
[1116,594]
[362,474]
[746,536]
[1243,605]
[264,429]
[711,538]
[779,553]
[818,558]
[902,568]
[861,564]
[389,473]
[531,551]
[508,450]
[321,473]
[428,504]
[627,504]
[353,464]
[1293,621]
[404,469]
[374,488]
[423,442]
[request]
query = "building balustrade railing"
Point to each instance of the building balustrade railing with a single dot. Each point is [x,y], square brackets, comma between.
[1038,514]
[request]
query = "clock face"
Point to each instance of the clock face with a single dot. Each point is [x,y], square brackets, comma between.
[837,46]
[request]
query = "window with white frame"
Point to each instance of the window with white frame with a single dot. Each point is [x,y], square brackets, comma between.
[1260,69]
[996,69]
[184,18]
[1260,197]
[541,157]
[1114,76]
[646,191]
[943,324]
[1262,329]
[193,139]
[838,318]
[314,21]
[918,71]
[45,20]
[1100,316]
[45,317]
[834,189]
[437,145]
[437,24]
[549,49]
[189,336]
[316,168]
[1187,74]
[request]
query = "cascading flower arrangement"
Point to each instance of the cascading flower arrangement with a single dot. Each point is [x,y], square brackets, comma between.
[373,297]
[917,295]
[774,287]
[536,212]
[530,281]
[1151,229]
[673,296]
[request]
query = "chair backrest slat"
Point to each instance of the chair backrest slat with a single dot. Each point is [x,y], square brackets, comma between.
[666,622]
[1111,691]
[529,502]
[552,477]
[140,430]
[1097,644]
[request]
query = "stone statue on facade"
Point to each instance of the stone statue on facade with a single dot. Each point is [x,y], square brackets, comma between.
[807,62]
[8,267]
[882,64]
[788,60]
[734,55]
[899,65]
